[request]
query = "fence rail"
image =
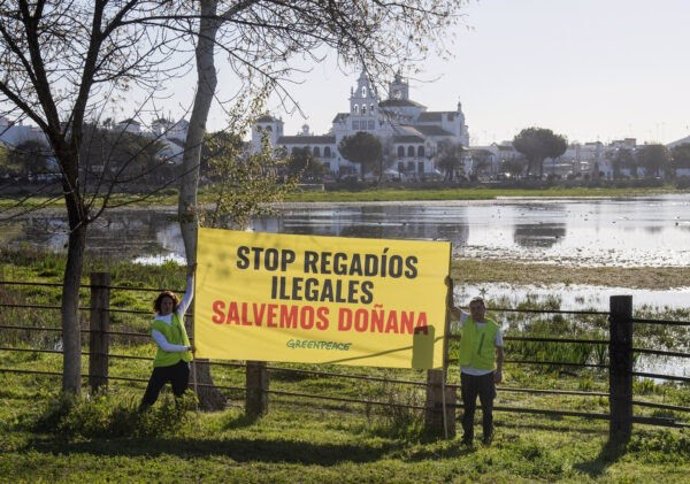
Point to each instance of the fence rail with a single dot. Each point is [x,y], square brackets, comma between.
[620,366]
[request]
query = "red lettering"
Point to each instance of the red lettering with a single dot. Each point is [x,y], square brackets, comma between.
[422,323]
[288,316]
[361,320]
[344,319]
[233,314]
[259,310]
[272,309]
[407,322]
[218,312]
[322,314]
[377,320]
[306,316]
[392,324]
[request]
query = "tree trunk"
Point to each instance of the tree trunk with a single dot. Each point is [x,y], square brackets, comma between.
[210,398]
[71,335]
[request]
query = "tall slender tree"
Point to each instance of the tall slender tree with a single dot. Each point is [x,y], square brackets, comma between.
[61,63]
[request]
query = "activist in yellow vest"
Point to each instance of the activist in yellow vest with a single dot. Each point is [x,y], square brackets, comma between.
[174,333]
[477,345]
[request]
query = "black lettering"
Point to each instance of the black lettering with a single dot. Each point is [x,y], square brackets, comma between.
[395,266]
[371,265]
[242,261]
[257,257]
[310,260]
[356,265]
[411,264]
[367,294]
[340,263]
[288,257]
[271,259]
[326,262]
[311,289]
[297,288]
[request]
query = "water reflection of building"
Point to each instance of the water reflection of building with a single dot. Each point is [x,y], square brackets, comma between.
[373,221]
[538,235]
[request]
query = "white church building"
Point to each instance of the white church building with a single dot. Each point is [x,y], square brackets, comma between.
[409,133]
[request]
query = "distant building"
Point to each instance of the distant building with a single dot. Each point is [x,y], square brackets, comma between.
[409,133]
[682,168]
[129,125]
[13,134]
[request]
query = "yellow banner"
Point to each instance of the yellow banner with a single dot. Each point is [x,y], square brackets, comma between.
[310,299]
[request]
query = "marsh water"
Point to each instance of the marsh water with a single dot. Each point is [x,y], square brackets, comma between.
[627,232]
[642,231]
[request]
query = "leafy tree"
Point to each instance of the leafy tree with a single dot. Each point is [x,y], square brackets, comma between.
[681,156]
[514,166]
[449,158]
[302,164]
[537,144]
[246,184]
[654,158]
[365,149]
[480,162]
[622,158]
[29,157]
[221,144]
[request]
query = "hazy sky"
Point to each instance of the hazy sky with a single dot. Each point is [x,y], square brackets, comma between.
[588,69]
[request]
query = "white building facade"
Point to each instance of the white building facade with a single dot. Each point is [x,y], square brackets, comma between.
[409,133]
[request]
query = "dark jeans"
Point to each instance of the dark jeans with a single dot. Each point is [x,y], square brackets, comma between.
[471,387]
[177,375]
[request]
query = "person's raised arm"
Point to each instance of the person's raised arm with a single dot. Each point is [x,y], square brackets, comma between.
[457,315]
[189,291]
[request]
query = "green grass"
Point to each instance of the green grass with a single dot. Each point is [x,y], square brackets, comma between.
[104,439]
[377,194]
[309,440]
[472,193]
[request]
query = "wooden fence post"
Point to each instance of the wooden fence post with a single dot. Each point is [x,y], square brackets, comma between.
[620,370]
[256,399]
[99,325]
[433,415]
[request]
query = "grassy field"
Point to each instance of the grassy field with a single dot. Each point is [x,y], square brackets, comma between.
[103,438]
[472,193]
[310,443]
[168,197]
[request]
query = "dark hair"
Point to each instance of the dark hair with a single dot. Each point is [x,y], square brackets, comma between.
[478,299]
[161,296]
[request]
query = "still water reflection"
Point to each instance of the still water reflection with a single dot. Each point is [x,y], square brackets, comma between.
[653,231]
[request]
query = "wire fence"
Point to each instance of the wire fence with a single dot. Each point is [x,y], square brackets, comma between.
[559,354]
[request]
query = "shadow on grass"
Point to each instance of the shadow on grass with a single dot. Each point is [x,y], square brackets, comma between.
[453,451]
[609,455]
[240,449]
[550,427]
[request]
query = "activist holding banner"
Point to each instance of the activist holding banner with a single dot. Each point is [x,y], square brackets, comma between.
[481,343]
[174,354]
